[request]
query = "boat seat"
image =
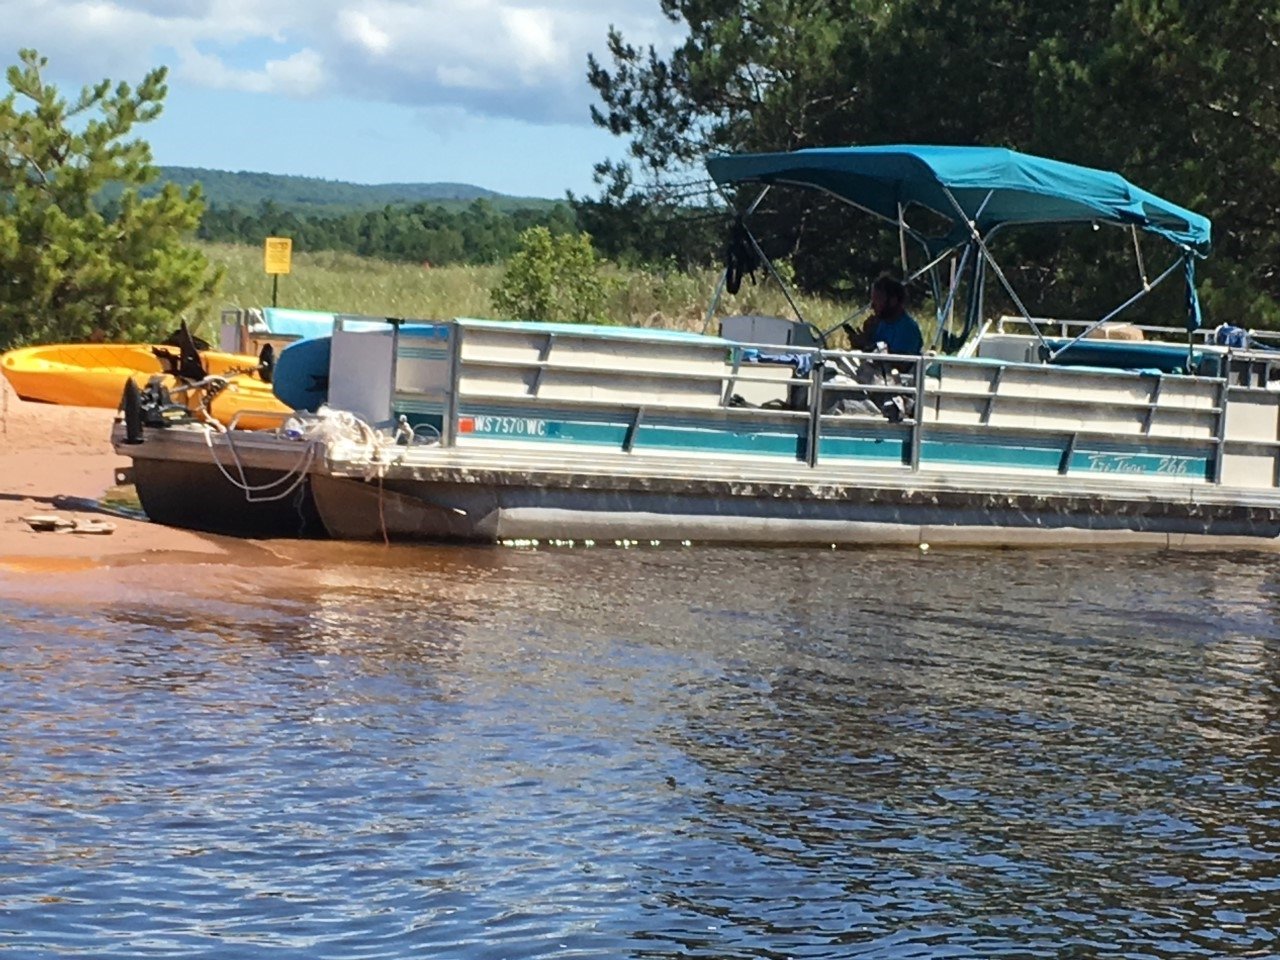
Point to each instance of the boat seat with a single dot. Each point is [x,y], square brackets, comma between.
[1131,355]
[767,330]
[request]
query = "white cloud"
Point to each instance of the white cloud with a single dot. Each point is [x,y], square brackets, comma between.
[358,27]
[534,37]
[299,75]
[516,58]
[464,78]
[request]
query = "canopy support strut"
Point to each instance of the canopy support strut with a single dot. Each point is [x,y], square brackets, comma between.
[724,274]
[945,311]
[902,241]
[1120,309]
[991,261]
[1142,266]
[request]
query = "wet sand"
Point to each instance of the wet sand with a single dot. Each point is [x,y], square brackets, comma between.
[58,461]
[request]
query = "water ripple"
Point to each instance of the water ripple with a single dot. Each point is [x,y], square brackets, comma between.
[715,753]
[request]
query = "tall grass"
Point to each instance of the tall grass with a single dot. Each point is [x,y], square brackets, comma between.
[681,300]
[345,283]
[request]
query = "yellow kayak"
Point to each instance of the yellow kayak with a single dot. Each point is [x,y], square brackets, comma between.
[94,374]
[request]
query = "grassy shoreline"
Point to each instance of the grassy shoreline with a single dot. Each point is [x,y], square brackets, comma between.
[345,283]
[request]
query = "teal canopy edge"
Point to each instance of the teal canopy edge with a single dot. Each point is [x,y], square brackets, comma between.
[993,186]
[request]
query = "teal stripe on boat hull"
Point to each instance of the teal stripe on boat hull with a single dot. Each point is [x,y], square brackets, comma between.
[892,445]
[1046,456]
[610,430]
[712,440]
[871,442]
[1027,455]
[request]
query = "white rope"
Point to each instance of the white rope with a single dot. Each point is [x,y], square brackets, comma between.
[294,476]
[320,433]
[365,444]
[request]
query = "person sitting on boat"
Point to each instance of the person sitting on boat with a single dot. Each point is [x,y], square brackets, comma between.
[889,323]
[889,329]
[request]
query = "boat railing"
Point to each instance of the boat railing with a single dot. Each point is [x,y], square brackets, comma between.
[627,373]
[976,395]
[808,386]
[894,392]
[929,407]
[829,369]
[1063,328]
[515,371]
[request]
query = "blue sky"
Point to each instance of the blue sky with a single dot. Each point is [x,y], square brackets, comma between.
[487,92]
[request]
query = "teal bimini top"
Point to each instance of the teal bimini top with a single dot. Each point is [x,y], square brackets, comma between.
[992,185]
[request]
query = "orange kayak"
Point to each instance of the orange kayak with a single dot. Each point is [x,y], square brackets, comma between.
[94,374]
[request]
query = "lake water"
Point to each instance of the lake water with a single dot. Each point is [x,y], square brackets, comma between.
[652,753]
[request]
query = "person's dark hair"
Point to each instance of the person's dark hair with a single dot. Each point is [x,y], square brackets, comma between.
[891,287]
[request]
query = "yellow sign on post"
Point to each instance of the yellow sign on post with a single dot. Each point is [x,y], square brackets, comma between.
[276,255]
[277,252]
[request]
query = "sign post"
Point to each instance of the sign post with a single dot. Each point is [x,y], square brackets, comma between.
[277,254]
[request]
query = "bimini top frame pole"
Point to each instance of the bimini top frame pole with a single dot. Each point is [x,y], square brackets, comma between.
[904,232]
[1180,262]
[985,252]
[988,187]
[724,274]
[1147,286]
[723,277]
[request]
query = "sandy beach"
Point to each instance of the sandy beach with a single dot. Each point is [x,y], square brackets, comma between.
[57,461]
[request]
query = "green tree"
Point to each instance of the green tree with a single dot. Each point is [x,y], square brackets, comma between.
[553,278]
[67,269]
[1180,97]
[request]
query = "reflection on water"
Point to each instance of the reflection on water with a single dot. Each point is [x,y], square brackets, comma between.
[716,753]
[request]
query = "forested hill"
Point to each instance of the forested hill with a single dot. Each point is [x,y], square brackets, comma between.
[311,195]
